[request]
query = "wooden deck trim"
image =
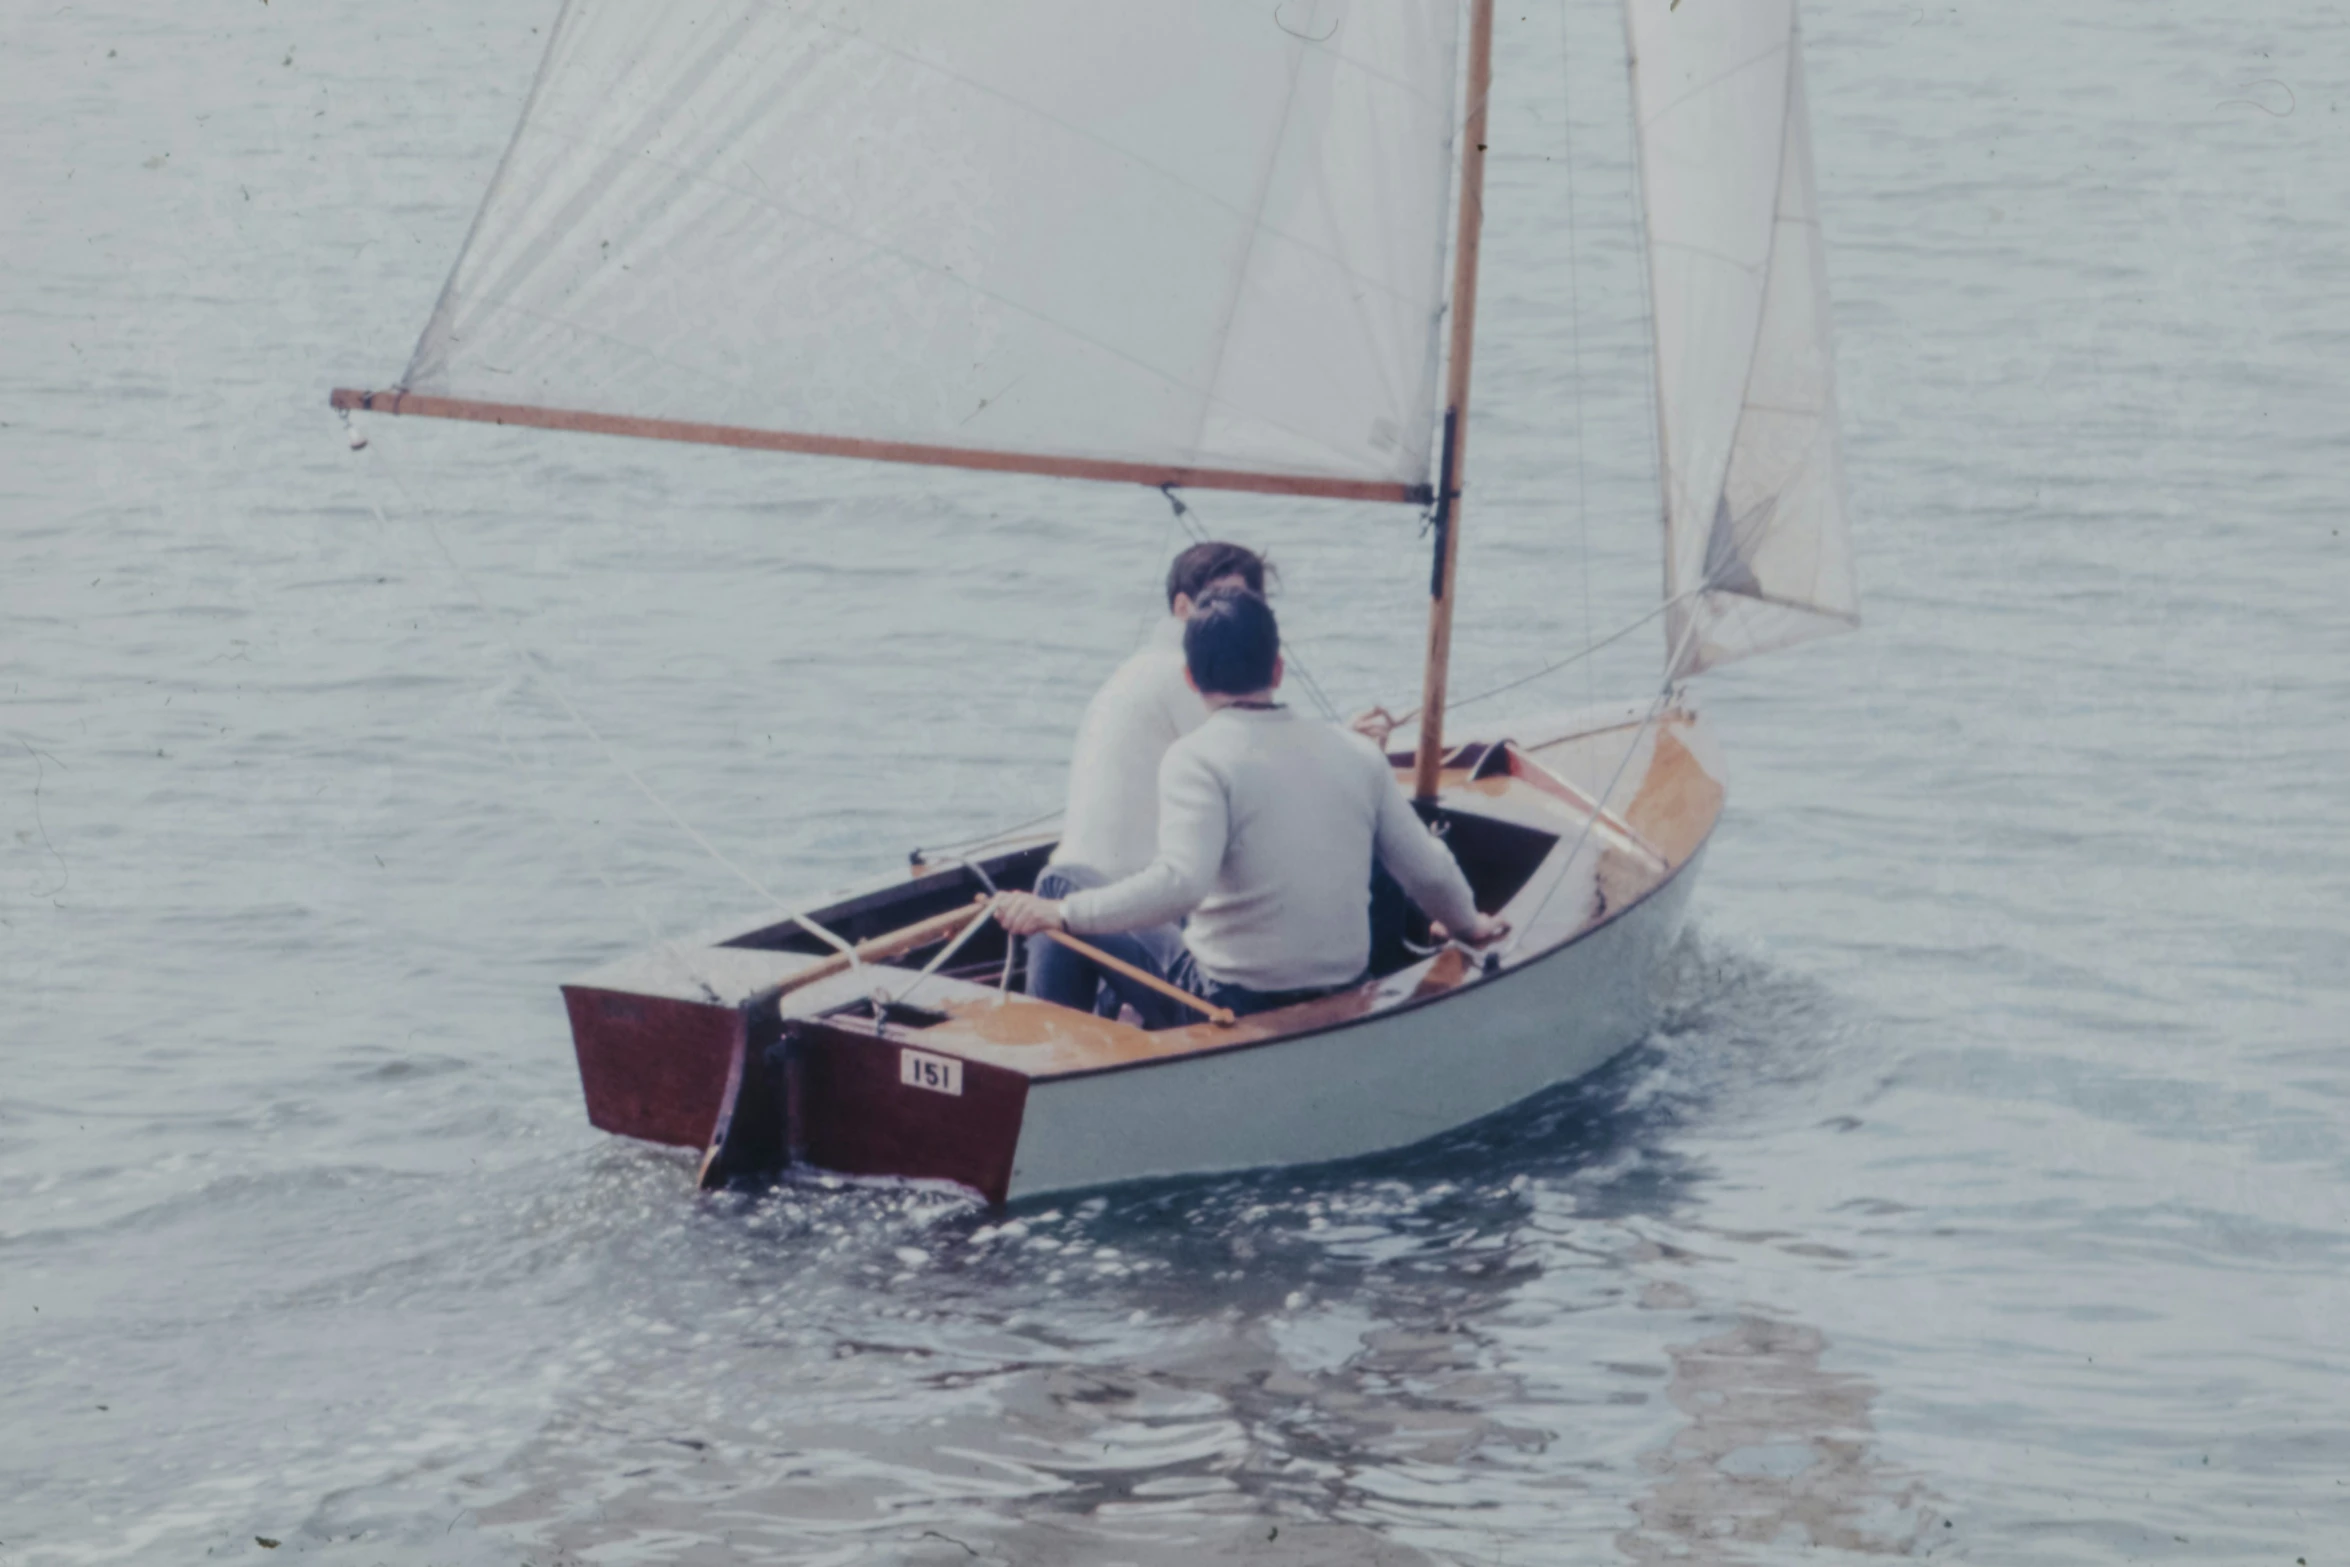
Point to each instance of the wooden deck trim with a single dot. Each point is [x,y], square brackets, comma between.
[1534,775]
[1156,475]
[1217,1041]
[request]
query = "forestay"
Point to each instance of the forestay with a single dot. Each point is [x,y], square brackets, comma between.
[1757,554]
[1181,233]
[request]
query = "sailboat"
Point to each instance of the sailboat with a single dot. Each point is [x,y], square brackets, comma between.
[1190,244]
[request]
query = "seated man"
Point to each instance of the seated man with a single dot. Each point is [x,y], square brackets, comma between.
[1269,824]
[1112,825]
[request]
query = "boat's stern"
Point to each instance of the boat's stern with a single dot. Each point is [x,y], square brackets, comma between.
[658,1033]
[864,1100]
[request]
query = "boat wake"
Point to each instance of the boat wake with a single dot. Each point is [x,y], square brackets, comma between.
[846,1367]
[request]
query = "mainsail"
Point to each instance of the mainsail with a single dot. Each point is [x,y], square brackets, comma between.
[1757,553]
[1160,236]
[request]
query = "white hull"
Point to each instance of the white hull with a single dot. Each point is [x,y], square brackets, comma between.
[1388,1081]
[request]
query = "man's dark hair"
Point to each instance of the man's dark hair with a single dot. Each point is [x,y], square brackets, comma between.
[1231,642]
[1202,564]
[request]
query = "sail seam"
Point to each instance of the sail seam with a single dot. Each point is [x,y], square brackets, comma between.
[662,97]
[644,134]
[1248,254]
[1712,82]
[448,295]
[1131,156]
[1711,254]
[1068,331]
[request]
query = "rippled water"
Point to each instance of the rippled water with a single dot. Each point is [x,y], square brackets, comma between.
[1982,1196]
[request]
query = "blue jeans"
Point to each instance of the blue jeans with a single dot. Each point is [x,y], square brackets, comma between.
[1071,979]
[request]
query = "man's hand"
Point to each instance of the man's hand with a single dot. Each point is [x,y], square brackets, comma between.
[1374,726]
[1025,914]
[1484,933]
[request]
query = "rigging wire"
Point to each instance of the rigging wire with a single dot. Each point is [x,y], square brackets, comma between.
[1571,659]
[1599,801]
[669,949]
[1579,655]
[1296,666]
[954,850]
[537,668]
[1188,520]
[1156,598]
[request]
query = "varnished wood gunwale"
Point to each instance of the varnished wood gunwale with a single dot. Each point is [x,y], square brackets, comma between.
[1352,1008]
[1367,1018]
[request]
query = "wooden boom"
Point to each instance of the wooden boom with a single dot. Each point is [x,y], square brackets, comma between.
[1158,475]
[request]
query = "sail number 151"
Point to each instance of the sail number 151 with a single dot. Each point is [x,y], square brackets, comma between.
[939,1074]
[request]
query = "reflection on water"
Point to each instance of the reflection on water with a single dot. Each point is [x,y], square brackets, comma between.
[1435,1356]
[1777,1452]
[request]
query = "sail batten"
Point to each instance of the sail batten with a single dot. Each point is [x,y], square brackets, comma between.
[1757,553]
[1167,234]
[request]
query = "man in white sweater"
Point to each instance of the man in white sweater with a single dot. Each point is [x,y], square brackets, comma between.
[1269,824]
[1112,825]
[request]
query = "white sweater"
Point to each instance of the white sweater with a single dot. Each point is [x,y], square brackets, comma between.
[1113,820]
[1267,825]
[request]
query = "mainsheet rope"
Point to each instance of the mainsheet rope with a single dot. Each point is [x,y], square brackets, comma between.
[662,941]
[536,667]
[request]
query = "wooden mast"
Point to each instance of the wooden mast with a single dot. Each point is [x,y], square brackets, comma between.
[1430,753]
